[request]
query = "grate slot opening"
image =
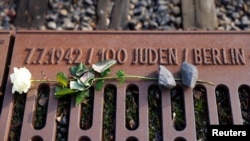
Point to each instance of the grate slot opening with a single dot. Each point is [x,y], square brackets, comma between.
[86,117]
[132,139]
[132,108]
[17,117]
[108,131]
[84,138]
[177,108]
[200,111]
[62,119]
[40,112]
[180,139]
[155,114]
[244,95]
[223,105]
[36,138]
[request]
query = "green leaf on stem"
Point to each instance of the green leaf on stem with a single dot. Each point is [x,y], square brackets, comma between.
[120,76]
[81,95]
[62,78]
[78,70]
[62,91]
[106,72]
[99,84]
[76,86]
[73,70]
[103,65]
[86,78]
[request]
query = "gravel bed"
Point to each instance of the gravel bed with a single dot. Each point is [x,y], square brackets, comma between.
[143,15]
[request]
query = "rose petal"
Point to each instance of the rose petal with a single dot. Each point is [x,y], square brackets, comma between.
[21,80]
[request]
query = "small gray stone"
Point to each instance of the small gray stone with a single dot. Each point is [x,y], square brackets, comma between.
[189,74]
[64,120]
[86,27]
[176,2]
[139,11]
[68,24]
[89,2]
[176,10]
[162,8]
[43,100]
[163,2]
[236,15]
[63,130]
[245,20]
[59,135]
[51,25]
[153,25]
[90,11]
[63,139]
[6,19]
[134,1]
[166,78]
[166,27]
[63,12]
[178,20]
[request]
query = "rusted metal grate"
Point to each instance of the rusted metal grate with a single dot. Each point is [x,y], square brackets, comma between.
[221,57]
[5,44]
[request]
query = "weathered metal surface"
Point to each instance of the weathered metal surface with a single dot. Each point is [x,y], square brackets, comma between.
[220,57]
[4,46]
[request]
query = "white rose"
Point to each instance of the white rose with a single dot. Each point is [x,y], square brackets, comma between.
[21,79]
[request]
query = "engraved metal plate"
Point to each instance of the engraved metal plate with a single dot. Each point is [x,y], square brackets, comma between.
[221,57]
